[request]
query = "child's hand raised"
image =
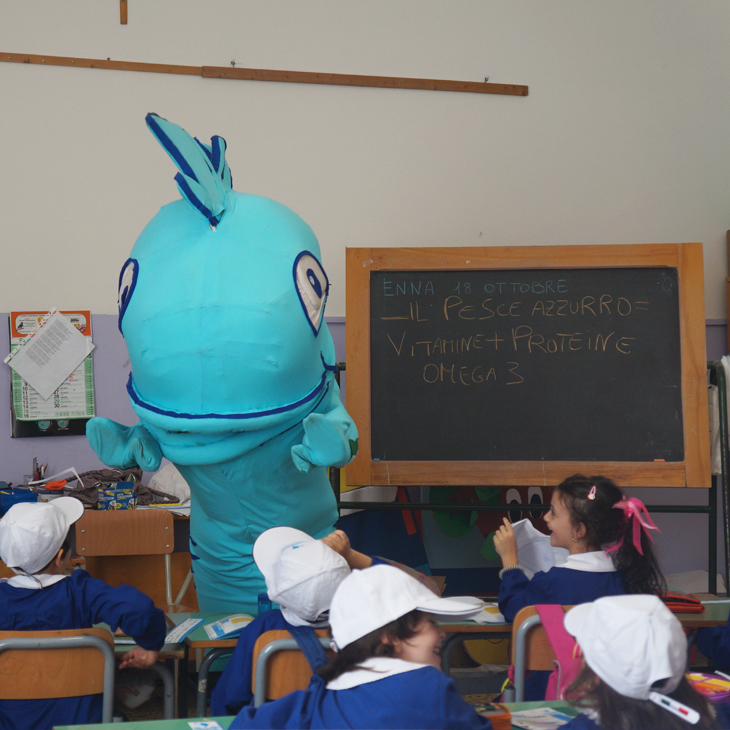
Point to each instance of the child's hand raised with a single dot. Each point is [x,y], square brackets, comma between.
[505,543]
[339,542]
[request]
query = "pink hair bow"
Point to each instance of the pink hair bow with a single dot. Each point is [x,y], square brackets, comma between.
[633,509]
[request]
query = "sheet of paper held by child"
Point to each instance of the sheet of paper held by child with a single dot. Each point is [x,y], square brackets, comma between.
[534,550]
[228,627]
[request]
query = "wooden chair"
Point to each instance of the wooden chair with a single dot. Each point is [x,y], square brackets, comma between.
[531,649]
[106,533]
[37,665]
[279,666]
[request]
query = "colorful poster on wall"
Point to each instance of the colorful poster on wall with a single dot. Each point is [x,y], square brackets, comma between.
[71,405]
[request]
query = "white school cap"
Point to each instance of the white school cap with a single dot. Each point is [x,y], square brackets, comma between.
[301,573]
[371,598]
[631,643]
[31,533]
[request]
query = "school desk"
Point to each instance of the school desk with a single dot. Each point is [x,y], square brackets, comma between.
[716,614]
[200,642]
[562,705]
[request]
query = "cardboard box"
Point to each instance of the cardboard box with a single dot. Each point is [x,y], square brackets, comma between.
[117,496]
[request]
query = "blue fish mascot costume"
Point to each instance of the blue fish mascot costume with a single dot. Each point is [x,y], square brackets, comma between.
[221,304]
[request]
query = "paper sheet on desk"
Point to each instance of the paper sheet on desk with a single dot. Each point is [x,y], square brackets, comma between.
[489,615]
[534,551]
[540,718]
[484,613]
[51,354]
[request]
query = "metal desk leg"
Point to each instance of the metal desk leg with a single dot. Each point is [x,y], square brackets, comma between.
[182,685]
[205,665]
[448,646]
[169,686]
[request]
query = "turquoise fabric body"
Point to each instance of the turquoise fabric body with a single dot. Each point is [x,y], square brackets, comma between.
[222,309]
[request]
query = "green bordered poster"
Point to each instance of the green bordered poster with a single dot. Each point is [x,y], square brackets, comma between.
[66,412]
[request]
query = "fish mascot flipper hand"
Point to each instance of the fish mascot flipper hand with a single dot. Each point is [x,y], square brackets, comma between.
[221,304]
[326,442]
[123,447]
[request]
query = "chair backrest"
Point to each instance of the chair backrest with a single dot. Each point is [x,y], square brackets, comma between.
[59,663]
[531,648]
[538,653]
[125,532]
[287,669]
[117,534]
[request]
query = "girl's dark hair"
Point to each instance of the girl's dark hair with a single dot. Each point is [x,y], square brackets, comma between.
[371,645]
[607,525]
[618,712]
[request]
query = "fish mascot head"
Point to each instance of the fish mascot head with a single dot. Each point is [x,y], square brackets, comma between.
[221,304]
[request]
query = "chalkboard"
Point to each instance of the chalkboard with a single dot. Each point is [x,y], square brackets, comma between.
[524,365]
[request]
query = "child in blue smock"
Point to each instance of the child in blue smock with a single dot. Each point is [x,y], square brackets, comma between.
[386,673]
[635,657]
[610,553]
[34,542]
[301,574]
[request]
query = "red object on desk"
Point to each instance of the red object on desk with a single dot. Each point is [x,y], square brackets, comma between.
[55,486]
[678,602]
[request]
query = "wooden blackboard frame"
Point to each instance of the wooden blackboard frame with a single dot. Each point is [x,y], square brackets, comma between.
[694,471]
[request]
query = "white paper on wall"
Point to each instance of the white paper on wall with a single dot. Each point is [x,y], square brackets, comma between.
[54,351]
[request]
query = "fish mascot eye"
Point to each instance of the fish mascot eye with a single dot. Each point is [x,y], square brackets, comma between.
[127,282]
[312,287]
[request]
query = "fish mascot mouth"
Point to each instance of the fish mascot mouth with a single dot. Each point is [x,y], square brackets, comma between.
[208,423]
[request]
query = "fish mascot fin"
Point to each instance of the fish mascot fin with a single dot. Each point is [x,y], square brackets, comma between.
[204,177]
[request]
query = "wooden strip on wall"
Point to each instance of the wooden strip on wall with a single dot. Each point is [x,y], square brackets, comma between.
[161,68]
[385,82]
[257,74]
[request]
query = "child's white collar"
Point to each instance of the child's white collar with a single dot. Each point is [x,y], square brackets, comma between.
[373,669]
[35,582]
[593,562]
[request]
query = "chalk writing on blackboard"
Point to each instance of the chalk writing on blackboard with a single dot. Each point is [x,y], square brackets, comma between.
[559,365]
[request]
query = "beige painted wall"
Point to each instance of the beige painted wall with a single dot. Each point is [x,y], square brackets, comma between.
[624,138]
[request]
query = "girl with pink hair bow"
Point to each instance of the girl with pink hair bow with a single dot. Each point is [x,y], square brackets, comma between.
[609,544]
